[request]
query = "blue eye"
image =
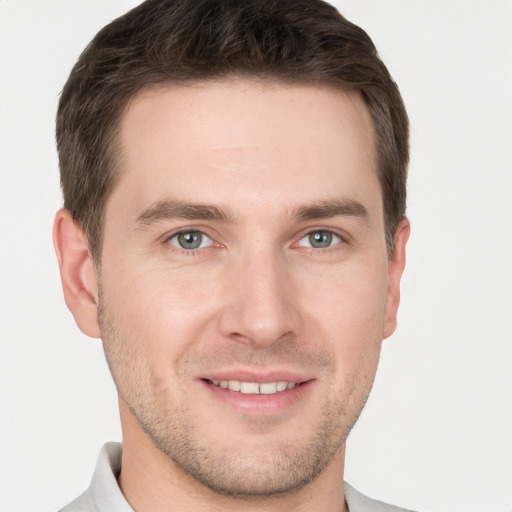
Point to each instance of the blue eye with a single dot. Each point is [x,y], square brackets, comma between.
[191,239]
[321,239]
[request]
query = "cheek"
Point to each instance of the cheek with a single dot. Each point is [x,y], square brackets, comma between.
[348,310]
[352,316]
[165,310]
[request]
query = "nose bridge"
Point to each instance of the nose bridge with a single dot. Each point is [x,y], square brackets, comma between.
[259,308]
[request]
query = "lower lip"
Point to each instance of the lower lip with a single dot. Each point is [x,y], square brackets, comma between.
[260,405]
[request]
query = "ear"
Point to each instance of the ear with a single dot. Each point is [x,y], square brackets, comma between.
[396,267]
[77,272]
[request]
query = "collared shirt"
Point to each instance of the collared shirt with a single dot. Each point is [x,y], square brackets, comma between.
[104,494]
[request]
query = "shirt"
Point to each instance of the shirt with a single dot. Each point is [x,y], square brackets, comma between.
[104,494]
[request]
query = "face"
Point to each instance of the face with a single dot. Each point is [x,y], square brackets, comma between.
[245,287]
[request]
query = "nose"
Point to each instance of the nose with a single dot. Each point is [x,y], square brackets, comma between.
[259,306]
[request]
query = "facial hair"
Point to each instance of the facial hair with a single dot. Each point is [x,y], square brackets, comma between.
[251,471]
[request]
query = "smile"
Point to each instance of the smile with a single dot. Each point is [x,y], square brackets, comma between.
[254,388]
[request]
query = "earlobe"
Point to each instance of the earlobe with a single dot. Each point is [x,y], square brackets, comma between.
[77,272]
[396,267]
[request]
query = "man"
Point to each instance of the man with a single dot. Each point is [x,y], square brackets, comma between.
[234,230]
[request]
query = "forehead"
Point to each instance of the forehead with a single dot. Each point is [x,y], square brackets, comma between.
[244,142]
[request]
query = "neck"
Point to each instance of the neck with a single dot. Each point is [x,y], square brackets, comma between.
[150,481]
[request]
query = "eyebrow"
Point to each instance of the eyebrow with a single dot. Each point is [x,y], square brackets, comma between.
[170,209]
[332,208]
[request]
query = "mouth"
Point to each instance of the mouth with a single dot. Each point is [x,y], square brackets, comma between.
[254,388]
[259,396]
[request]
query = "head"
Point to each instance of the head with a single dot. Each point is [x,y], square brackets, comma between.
[234,178]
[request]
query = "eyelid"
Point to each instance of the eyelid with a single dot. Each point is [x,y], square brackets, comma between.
[209,240]
[166,239]
[343,237]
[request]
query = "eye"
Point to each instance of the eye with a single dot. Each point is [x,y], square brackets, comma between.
[320,239]
[192,239]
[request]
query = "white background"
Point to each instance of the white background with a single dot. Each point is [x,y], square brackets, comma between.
[437,432]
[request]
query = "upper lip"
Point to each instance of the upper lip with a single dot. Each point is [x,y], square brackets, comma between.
[257,377]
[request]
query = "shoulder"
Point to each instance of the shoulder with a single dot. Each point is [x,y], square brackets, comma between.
[84,503]
[358,502]
[104,494]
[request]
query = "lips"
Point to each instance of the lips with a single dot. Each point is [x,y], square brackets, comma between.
[260,393]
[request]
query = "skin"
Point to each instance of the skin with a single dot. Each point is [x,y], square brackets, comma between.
[275,164]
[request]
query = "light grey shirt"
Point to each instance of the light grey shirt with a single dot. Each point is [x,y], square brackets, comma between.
[104,494]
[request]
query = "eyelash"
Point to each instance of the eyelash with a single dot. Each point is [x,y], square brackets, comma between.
[194,251]
[188,252]
[325,231]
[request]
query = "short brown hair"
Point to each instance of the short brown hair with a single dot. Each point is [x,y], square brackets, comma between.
[185,41]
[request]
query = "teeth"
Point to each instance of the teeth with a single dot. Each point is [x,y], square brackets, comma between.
[267,388]
[234,385]
[281,386]
[249,388]
[253,388]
